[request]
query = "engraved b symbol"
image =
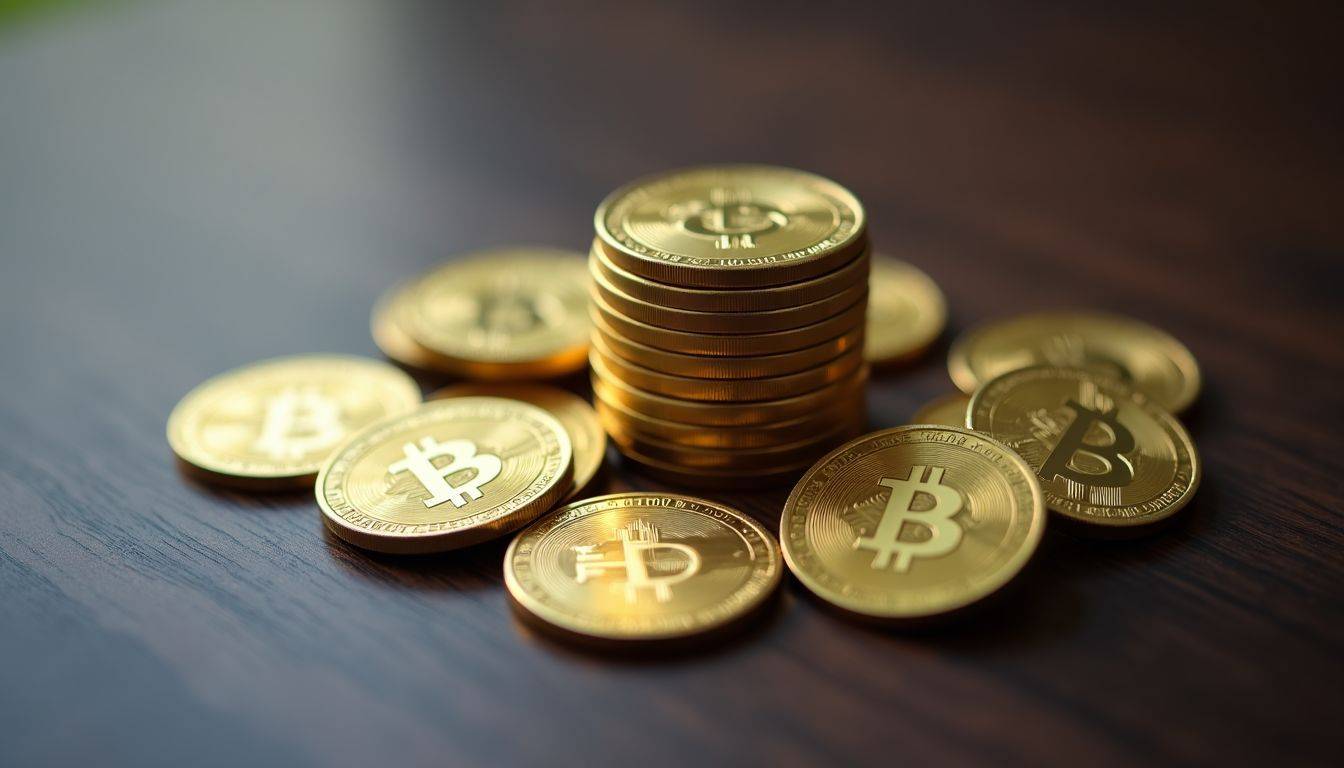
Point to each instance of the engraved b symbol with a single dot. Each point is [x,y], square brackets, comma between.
[1060,463]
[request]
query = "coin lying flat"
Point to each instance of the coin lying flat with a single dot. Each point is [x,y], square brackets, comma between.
[642,567]
[1110,345]
[273,423]
[906,312]
[731,226]
[912,522]
[947,411]
[507,314]
[1105,453]
[451,473]
[578,418]
[854,272]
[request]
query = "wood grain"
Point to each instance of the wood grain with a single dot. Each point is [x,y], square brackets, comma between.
[188,187]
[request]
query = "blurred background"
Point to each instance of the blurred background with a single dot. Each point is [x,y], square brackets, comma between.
[189,186]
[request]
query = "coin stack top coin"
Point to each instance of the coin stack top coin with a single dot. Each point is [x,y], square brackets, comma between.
[728,309]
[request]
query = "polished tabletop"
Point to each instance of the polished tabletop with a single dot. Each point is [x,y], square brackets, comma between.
[187,187]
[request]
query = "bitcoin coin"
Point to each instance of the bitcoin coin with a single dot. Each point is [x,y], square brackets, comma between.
[1111,345]
[745,367]
[729,344]
[906,312]
[504,314]
[855,272]
[714,390]
[727,322]
[642,567]
[272,423]
[724,414]
[451,473]
[731,226]
[755,436]
[1105,453]
[948,411]
[578,418]
[912,522]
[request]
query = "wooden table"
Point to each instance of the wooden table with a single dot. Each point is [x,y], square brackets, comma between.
[188,187]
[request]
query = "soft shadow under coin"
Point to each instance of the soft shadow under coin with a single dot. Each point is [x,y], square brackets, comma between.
[470,568]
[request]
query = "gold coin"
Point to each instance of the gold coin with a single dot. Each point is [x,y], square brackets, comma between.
[1111,345]
[720,367]
[273,423]
[451,473]
[1105,453]
[730,344]
[574,413]
[906,312]
[392,340]
[642,567]
[727,322]
[503,314]
[688,457]
[717,390]
[948,411]
[855,272]
[755,436]
[731,226]
[912,522]
[612,388]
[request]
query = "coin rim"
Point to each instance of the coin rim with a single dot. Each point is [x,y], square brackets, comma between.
[219,473]
[521,598]
[964,376]
[443,541]
[1172,426]
[1002,577]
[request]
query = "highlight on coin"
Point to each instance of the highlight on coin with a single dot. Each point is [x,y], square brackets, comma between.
[641,567]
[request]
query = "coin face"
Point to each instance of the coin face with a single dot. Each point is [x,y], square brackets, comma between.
[906,312]
[948,411]
[578,418]
[1105,453]
[496,315]
[1110,345]
[730,226]
[451,473]
[642,566]
[275,422]
[912,522]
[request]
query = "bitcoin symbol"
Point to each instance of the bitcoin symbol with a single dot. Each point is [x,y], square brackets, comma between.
[637,539]
[945,533]
[1062,461]
[419,461]
[509,313]
[298,422]
[731,217]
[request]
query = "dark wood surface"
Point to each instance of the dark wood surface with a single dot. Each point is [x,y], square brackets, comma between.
[188,187]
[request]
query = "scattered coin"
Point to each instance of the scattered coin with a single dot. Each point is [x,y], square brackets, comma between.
[912,522]
[1106,454]
[906,312]
[272,424]
[586,435]
[452,473]
[1128,349]
[731,226]
[641,567]
[507,314]
[948,411]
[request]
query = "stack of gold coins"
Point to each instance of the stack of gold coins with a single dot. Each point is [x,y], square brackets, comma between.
[728,308]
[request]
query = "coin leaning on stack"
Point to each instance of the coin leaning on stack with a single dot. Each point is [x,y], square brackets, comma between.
[728,310]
